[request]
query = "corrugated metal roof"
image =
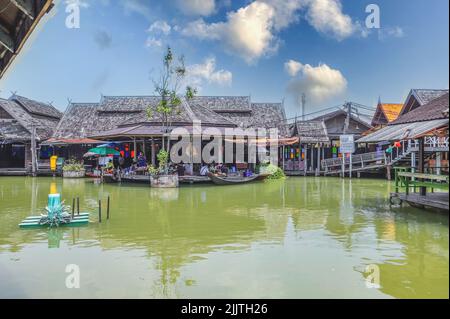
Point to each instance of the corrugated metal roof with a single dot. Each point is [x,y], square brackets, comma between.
[403,131]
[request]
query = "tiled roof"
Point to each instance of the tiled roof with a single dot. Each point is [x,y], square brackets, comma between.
[354,129]
[80,120]
[433,110]
[83,120]
[224,103]
[13,131]
[425,96]
[386,113]
[311,132]
[44,125]
[37,108]
[391,110]
[127,103]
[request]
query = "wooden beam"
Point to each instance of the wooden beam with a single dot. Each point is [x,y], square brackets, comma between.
[26,6]
[6,40]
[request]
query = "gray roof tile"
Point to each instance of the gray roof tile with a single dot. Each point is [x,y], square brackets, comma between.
[37,108]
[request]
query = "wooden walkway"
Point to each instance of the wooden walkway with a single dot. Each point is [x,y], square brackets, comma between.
[438,201]
[426,183]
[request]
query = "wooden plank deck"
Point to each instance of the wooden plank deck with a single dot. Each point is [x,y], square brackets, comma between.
[438,201]
[13,172]
[425,176]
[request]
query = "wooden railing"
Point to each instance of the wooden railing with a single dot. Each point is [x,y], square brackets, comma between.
[406,178]
[359,161]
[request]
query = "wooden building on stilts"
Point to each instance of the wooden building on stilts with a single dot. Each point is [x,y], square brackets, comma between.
[132,124]
[24,125]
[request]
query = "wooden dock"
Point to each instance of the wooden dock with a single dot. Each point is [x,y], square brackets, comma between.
[425,184]
[438,201]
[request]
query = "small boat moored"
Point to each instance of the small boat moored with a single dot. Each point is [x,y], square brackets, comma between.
[231,180]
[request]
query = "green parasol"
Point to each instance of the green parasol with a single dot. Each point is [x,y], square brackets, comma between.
[101,151]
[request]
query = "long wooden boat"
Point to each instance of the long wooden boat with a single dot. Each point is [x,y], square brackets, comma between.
[231,180]
[135,179]
[262,177]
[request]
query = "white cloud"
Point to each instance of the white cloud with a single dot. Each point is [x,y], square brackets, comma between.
[292,67]
[286,11]
[206,71]
[160,26]
[197,7]
[248,32]
[141,7]
[153,42]
[326,16]
[78,3]
[390,32]
[319,83]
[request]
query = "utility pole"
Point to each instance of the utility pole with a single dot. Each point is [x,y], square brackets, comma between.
[303,106]
[33,151]
[348,106]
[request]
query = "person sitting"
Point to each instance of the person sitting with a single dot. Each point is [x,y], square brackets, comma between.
[224,169]
[180,170]
[141,161]
[204,170]
[109,167]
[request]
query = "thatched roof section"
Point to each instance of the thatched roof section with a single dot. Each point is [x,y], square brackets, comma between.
[84,120]
[44,124]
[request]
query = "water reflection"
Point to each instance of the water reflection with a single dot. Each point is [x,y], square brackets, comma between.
[170,241]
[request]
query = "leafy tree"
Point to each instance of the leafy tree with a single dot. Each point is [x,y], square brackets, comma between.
[168,86]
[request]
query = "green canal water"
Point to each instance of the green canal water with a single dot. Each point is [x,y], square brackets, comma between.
[298,238]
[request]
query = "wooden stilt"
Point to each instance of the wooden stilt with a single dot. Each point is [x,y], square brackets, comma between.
[99,211]
[107,209]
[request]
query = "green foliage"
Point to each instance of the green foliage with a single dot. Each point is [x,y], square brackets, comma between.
[73,166]
[190,92]
[274,171]
[168,87]
[153,170]
[163,158]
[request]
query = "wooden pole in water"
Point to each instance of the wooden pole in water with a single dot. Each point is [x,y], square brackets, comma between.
[73,207]
[107,209]
[99,211]
[421,168]
[78,205]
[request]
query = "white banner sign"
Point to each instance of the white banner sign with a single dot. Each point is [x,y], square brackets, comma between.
[347,144]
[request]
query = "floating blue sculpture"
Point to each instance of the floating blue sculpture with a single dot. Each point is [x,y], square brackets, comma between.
[57,215]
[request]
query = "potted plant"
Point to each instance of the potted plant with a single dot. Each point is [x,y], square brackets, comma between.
[160,177]
[73,169]
[273,171]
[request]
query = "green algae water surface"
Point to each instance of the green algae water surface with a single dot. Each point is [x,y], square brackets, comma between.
[297,238]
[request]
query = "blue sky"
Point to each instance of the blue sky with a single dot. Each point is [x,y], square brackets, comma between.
[269,49]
